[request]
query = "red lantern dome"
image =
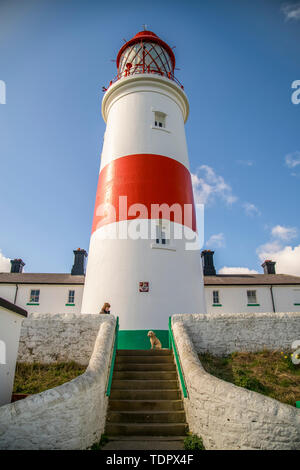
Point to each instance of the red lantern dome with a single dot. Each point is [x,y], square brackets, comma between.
[146,53]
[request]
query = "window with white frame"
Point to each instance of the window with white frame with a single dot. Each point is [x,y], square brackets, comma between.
[161,233]
[216,298]
[34,296]
[71,297]
[251,296]
[296,296]
[159,119]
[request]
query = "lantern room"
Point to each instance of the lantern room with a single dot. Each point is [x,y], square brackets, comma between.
[146,53]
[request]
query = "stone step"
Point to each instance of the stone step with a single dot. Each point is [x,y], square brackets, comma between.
[146,429]
[140,443]
[144,375]
[145,359]
[144,417]
[157,367]
[145,394]
[144,384]
[145,405]
[144,352]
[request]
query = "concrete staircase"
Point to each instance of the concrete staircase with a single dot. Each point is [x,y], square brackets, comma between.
[145,407]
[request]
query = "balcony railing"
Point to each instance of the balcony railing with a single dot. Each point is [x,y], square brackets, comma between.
[140,69]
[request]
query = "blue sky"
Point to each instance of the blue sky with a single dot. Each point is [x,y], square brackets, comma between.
[237,61]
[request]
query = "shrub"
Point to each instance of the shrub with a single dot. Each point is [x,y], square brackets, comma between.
[193,442]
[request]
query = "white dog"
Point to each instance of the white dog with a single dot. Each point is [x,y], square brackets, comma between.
[155,343]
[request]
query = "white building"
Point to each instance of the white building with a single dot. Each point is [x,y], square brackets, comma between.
[62,293]
[11,317]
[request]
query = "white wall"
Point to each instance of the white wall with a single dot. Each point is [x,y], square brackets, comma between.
[226,333]
[71,416]
[53,297]
[233,299]
[228,417]
[10,325]
[52,337]
[117,266]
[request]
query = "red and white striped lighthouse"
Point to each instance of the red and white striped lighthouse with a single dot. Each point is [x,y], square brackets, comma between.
[144,212]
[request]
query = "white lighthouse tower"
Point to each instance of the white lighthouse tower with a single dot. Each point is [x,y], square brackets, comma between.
[139,257]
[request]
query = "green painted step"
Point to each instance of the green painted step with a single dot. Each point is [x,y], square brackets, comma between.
[145,405]
[144,417]
[146,394]
[146,429]
[138,339]
[145,375]
[144,384]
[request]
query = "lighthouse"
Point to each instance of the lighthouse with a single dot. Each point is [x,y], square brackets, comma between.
[142,258]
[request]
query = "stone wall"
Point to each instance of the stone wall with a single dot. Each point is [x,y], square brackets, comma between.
[62,337]
[71,416]
[224,415]
[224,333]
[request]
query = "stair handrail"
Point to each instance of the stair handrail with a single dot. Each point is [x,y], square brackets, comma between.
[113,358]
[173,345]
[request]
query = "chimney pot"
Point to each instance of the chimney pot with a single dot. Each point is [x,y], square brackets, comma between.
[78,268]
[208,263]
[269,266]
[17,265]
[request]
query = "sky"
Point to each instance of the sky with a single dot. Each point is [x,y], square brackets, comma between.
[237,60]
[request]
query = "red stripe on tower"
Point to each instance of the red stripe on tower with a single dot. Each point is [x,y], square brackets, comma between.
[145,179]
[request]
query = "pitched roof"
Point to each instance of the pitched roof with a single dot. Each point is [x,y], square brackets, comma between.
[14,308]
[40,278]
[250,279]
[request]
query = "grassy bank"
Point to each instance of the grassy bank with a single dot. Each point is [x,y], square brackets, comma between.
[271,373]
[36,377]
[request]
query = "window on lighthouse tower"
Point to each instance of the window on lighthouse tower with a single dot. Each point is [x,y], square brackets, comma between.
[159,119]
[161,233]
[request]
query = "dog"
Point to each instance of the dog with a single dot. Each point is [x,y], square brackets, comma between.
[155,343]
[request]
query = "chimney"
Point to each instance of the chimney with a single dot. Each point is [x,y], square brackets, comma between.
[208,263]
[79,262]
[16,265]
[269,266]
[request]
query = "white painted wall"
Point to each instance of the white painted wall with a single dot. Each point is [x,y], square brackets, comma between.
[117,266]
[228,417]
[10,326]
[71,416]
[128,108]
[233,299]
[53,297]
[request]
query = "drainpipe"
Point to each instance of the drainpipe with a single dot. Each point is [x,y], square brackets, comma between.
[272,297]
[16,293]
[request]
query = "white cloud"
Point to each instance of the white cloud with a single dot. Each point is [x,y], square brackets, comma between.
[287,258]
[245,162]
[4,264]
[292,159]
[284,233]
[251,209]
[233,270]
[291,11]
[216,241]
[208,186]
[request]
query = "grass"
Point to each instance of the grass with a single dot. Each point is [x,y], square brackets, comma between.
[193,442]
[271,373]
[37,377]
[98,445]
